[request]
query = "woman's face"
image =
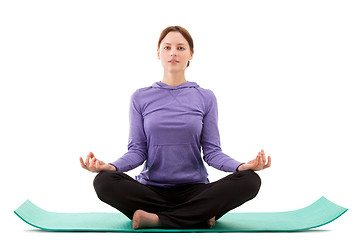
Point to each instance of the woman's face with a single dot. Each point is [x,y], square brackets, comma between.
[174,47]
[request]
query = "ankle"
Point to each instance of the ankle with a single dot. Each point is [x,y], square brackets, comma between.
[143,219]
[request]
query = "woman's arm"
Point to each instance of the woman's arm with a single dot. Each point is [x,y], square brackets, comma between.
[210,139]
[137,143]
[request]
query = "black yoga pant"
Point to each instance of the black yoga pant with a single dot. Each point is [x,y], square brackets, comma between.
[189,206]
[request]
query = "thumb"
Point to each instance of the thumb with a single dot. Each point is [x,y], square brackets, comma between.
[256,162]
[97,165]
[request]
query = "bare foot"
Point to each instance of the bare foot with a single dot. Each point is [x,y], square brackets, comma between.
[143,219]
[211,222]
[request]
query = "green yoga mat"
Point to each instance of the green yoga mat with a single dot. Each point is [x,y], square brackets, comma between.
[317,214]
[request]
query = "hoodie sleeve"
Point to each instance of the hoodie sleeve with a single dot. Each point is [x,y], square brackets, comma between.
[210,139]
[137,144]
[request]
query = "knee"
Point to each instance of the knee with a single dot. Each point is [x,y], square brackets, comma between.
[101,181]
[253,182]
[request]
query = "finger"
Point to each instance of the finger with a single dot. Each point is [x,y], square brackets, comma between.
[87,159]
[82,163]
[261,160]
[92,163]
[257,165]
[257,162]
[263,156]
[268,163]
[97,164]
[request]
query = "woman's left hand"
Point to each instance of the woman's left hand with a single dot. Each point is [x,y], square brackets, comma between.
[257,164]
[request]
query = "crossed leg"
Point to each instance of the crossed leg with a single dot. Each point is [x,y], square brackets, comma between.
[148,206]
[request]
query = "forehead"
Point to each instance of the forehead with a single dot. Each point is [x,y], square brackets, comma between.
[167,43]
[174,38]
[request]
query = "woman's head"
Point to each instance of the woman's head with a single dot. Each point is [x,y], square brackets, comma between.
[175,43]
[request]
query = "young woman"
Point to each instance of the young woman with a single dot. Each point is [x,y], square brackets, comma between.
[170,122]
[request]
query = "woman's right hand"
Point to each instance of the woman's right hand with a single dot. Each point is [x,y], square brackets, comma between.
[93,164]
[257,164]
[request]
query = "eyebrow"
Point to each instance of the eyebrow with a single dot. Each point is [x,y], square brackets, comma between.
[177,44]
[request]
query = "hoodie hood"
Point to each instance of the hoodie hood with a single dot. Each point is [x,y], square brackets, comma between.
[183,85]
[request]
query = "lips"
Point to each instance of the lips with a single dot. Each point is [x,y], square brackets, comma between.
[174,61]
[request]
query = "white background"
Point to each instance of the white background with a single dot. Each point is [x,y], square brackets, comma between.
[284,73]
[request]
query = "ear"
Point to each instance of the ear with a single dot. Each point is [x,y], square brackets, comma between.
[158,54]
[191,56]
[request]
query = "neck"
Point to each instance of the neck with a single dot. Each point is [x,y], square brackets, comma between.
[174,78]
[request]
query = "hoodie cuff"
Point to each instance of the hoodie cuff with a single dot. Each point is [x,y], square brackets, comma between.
[231,166]
[121,165]
[116,169]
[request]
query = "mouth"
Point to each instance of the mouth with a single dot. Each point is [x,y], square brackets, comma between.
[173,61]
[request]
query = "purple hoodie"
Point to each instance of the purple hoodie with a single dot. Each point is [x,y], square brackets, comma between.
[168,127]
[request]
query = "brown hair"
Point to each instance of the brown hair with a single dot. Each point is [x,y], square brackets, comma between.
[183,32]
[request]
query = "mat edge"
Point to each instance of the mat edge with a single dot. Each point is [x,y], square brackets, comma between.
[174,230]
